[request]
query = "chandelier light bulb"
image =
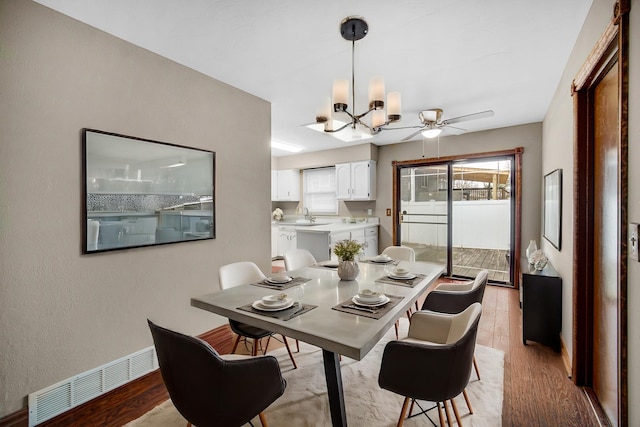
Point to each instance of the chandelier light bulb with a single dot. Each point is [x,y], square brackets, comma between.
[340,94]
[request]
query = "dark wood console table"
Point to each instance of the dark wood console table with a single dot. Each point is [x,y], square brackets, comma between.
[541,305]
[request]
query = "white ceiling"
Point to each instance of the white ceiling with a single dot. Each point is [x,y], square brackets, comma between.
[463,56]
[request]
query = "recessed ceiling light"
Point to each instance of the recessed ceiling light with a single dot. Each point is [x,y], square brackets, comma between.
[286,147]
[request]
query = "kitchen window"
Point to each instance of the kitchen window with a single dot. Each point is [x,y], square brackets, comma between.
[319,190]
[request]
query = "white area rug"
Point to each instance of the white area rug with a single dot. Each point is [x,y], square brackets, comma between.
[305,402]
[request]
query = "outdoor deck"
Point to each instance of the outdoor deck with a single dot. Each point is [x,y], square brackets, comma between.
[468,261]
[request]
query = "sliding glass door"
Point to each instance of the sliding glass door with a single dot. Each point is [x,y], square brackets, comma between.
[423,212]
[459,213]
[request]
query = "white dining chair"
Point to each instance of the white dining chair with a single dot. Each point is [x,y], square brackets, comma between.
[298,258]
[402,253]
[242,273]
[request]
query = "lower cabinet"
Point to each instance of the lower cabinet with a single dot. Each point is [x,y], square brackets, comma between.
[541,305]
[321,244]
[286,241]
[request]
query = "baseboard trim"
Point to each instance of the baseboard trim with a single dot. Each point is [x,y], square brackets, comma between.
[566,359]
[125,403]
[603,420]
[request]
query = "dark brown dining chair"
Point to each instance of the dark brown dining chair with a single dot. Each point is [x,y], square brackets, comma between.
[455,297]
[434,362]
[211,390]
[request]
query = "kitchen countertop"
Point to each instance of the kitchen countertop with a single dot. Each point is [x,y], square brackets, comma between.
[327,227]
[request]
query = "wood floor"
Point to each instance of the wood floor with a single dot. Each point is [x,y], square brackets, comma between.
[537,390]
[467,262]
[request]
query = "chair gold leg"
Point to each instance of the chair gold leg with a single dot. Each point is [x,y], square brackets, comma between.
[263,420]
[413,402]
[409,316]
[403,411]
[447,412]
[417,308]
[440,414]
[298,346]
[455,412]
[466,399]
[254,350]
[235,345]
[188,424]
[286,344]
[475,366]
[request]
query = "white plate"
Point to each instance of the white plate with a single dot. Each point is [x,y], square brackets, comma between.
[407,277]
[275,300]
[259,306]
[329,264]
[381,260]
[279,280]
[385,299]
[369,296]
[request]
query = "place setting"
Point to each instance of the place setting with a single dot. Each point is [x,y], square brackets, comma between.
[368,303]
[329,264]
[281,282]
[396,275]
[381,259]
[280,306]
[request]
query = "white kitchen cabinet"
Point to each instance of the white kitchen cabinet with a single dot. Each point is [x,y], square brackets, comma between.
[285,185]
[371,241]
[356,180]
[286,241]
[274,241]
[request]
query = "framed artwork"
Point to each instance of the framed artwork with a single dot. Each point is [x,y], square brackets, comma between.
[552,228]
[139,192]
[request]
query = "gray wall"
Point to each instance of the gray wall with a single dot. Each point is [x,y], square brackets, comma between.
[62,313]
[557,146]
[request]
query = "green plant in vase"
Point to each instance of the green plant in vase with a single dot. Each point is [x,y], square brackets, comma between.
[346,251]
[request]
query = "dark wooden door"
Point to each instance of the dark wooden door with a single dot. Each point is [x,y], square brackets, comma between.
[605,239]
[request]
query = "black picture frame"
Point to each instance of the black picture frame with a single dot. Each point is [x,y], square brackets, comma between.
[552,208]
[141,192]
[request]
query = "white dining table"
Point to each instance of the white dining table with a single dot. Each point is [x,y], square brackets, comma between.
[335,332]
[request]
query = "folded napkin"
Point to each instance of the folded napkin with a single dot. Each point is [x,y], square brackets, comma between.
[287,314]
[282,286]
[349,306]
[402,282]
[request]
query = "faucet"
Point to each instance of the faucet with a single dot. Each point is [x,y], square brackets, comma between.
[307,215]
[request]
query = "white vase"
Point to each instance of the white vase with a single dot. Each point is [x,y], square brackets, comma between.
[348,270]
[531,249]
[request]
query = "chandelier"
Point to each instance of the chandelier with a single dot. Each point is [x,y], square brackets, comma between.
[355,28]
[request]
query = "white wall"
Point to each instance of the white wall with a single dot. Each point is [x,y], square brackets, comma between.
[558,152]
[61,312]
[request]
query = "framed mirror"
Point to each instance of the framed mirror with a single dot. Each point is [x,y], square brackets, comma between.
[140,192]
[553,207]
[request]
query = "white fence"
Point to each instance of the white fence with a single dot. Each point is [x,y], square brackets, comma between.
[483,224]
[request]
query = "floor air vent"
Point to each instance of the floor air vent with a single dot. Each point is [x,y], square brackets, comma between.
[58,398]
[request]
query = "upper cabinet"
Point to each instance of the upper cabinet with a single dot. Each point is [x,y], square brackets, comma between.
[356,180]
[285,185]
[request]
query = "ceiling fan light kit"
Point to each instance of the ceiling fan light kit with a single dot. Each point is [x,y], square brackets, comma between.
[355,28]
[431,132]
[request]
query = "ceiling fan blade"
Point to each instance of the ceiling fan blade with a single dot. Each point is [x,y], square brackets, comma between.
[407,138]
[404,127]
[474,116]
[453,130]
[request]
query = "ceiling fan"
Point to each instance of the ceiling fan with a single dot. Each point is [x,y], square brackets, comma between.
[432,123]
